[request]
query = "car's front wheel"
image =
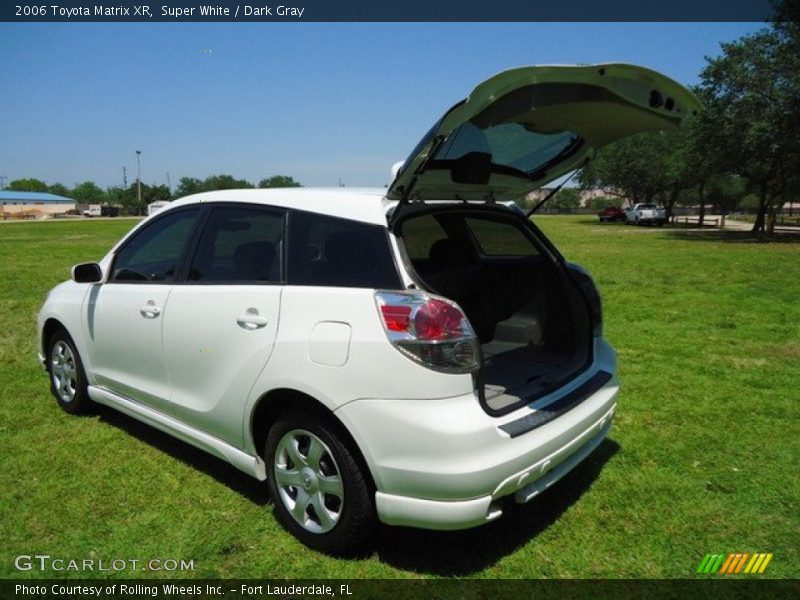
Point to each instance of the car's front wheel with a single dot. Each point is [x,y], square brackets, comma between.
[67,378]
[320,493]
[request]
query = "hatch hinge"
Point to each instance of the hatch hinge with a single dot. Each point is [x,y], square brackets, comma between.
[406,196]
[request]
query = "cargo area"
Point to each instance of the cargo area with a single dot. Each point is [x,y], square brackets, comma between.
[530,317]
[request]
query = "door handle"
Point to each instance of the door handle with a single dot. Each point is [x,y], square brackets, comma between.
[150,310]
[251,320]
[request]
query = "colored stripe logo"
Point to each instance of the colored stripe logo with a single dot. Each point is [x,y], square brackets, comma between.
[734,563]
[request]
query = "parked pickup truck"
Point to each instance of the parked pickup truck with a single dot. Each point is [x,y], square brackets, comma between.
[101,210]
[645,214]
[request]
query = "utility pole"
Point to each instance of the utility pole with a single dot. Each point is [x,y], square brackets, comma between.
[3,182]
[138,178]
[124,176]
[169,184]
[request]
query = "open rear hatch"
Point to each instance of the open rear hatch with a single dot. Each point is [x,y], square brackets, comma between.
[525,127]
[534,315]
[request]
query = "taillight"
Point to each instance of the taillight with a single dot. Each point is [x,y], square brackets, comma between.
[432,330]
[396,318]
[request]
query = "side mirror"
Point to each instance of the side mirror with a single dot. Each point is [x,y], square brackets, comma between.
[87,273]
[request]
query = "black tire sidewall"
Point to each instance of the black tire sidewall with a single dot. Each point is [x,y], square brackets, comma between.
[357,521]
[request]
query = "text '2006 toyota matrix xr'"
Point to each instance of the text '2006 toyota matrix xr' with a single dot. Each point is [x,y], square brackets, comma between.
[412,355]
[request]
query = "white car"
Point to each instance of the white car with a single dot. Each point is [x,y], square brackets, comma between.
[414,355]
[645,213]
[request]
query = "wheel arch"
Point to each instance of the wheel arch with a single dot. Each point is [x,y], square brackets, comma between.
[51,325]
[271,405]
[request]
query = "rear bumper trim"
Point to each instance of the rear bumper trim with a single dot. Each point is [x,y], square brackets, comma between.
[558,407]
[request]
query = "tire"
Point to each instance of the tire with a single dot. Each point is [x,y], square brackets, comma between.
[68,382]
[306,455]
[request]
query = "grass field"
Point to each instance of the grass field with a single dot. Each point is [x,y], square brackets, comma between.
[704,456]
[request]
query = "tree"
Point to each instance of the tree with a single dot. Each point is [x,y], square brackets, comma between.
[124,198]
[157,193]
[566,198]
[59,190]
[752,96]
[27,185]
[189,185]
[725,192]
[225,182]
[635,167]
[88,193]
[279,181]
[601,202]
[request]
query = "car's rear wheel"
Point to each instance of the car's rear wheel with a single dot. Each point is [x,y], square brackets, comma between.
[67,378]
[320,493]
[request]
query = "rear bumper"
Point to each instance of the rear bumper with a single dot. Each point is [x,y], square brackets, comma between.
[443,464]
[525,485]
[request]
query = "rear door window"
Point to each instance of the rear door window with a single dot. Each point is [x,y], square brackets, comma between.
[239,244]
[328,251]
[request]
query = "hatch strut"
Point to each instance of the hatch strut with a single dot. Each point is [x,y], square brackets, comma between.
[437,142]
[557,189]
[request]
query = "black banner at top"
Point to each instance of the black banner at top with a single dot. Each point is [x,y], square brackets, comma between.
[381,11]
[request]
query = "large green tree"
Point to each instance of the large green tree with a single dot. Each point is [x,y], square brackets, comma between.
[279,181]
[634,168]
[59,190]
[225,182]
[565,198]
[193,185]
[752,122]
[88,192]
[27,185]
[188,186]
[124,198]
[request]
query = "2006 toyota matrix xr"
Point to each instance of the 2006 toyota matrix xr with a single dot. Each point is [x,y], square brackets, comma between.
[414,354]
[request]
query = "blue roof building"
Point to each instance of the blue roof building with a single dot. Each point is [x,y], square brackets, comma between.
[13,197]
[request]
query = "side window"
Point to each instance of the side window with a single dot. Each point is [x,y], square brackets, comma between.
[500,238]
[328,251]
[420,234]
[154,253]
[239,244]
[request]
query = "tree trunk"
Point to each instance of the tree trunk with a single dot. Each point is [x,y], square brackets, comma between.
[771,218]
[702,214]
[670,203]
[762,207]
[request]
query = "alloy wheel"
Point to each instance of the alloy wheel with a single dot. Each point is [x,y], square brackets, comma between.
[309,481]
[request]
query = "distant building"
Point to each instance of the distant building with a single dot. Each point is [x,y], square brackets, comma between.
[33,204]
[586,195]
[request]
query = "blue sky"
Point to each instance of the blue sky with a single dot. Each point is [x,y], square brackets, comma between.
[320,102]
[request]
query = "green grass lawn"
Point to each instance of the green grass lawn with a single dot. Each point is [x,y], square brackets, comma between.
[704,456]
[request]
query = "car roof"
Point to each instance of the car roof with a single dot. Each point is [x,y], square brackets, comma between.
[368,204]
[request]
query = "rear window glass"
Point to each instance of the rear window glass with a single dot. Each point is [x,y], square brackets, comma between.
[328,251]
[497,238]
[513,145]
